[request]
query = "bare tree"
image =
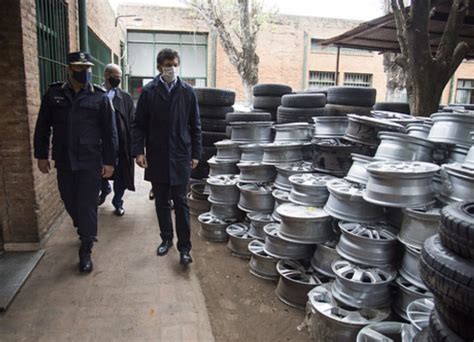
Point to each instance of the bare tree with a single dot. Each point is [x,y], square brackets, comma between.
[237,23]
[396,76]
[428,71]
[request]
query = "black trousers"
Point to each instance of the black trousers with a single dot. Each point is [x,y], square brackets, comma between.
[79,191]
[163,192]
[119,188]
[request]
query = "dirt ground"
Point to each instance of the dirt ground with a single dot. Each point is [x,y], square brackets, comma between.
[241,307]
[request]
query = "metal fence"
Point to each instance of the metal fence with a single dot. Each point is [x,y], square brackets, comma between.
[101,56]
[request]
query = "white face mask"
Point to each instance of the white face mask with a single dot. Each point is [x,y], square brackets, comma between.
[169,74]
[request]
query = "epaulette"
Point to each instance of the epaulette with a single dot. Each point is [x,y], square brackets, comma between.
[99,88]
[56,84]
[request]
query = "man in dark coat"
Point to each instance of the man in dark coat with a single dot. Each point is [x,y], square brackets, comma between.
[80,117]
[167,123]
[124,113]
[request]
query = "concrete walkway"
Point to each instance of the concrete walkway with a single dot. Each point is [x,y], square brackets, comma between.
[132,295]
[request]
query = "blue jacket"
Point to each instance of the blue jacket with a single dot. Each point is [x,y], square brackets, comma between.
[169,127]
[82,126]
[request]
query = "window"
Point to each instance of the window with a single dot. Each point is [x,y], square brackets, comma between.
[101,56]
[465,91]
[321,79]
[357,80]
[53,41]
[143,48]
[316,47]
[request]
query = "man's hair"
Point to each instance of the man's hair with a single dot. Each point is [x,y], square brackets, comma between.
[165,54]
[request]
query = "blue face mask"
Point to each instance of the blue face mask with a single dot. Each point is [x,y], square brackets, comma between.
[82,77]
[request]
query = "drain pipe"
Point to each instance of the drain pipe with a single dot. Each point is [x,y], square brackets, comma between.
[83,38]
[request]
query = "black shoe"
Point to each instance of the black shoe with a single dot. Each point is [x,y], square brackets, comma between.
[185,258]
[151,195]
[85,264]
[103,195]
[85,261]
[164,247]
[119,211]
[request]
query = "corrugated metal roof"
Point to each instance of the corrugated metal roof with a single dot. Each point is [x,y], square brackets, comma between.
[381,34]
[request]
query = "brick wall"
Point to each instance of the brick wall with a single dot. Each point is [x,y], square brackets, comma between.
[281,48]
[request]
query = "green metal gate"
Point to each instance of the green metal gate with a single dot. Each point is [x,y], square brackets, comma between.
[101,56]
[53,41]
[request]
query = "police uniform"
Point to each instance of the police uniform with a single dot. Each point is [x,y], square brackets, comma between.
[84,138]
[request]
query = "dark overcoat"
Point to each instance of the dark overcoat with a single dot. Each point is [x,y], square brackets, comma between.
[169,127]
[125,114]
[83,128]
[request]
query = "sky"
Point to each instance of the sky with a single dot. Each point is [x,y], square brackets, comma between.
[344,9]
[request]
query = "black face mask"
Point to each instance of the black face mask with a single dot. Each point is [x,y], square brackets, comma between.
[82,76]
[114,82]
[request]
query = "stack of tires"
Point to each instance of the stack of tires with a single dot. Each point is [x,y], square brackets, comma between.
[214,104]
[397,107]
[350,100]
[301,107]
[267,97]
[447,268]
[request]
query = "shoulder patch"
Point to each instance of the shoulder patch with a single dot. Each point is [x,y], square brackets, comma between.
[56,84]
[99,88]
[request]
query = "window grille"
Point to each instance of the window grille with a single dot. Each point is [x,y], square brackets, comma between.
[53,41]
[101,56]
[465,91]
[357,80]
[321,79]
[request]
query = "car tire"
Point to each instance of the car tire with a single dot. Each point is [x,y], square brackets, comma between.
[213,125]
[304,100]
[268,89]
[439,331]
[209,138]
[215,97]
[352,96]
[266,102]
[457,228]
[214,112]
[397,107]
[340,110]
[448,276]
[288,114]
[247,117]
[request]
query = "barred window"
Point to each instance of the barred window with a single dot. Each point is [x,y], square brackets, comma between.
[357,80]
[465,91]
[321,79]
[101,56]
[53,41]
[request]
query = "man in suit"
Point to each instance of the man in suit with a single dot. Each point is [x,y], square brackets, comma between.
[167,123]
[124,114]
[80,118]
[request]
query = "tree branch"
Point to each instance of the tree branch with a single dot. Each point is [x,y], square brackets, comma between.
[400,22]
[450,38]
[460,52]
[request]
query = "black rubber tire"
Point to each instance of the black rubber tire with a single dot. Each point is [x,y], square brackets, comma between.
[248,117]
[352,96]
[457,228]
[340,110]
[398,107]
[208,152]
[214,112]
[213,125]
[448,276]
[314,91]
[269,89]
[304,100]
[288,114]
[439,331]
[215,97]
[451,319]
[209,138]
[266,102]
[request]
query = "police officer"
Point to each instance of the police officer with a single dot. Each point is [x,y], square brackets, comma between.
[124,108]
[84,143]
